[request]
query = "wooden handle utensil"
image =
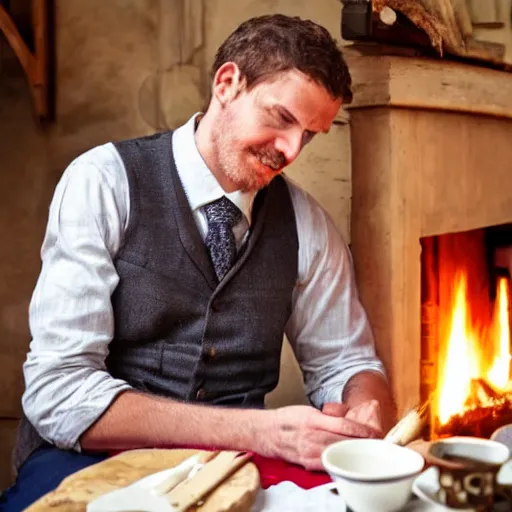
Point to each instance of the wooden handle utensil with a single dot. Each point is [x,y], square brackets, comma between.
[409,427]
[182,473]
[219,468]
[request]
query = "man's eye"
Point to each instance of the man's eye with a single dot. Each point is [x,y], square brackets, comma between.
[307,136]
[284,120]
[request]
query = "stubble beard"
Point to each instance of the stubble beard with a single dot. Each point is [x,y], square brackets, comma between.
[232,164]
[242,165]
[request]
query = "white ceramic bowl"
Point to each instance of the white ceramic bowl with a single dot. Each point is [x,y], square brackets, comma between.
[474,448]
[372,474]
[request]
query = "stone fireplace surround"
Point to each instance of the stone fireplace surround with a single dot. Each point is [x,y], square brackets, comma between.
[431,145]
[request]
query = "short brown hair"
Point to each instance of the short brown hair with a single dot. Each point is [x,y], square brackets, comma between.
[267,45]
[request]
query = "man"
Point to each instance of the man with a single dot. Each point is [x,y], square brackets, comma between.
[172,266]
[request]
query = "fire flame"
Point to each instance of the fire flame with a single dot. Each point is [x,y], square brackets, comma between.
[465,358]
[498,375]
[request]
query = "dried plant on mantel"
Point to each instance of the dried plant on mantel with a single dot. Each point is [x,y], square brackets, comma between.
[448,24]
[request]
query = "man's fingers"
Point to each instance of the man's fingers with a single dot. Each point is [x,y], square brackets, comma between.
[311,458]
[353,429]
[335,409]
[367,413]
[365,408]
[342,426]
[375,420]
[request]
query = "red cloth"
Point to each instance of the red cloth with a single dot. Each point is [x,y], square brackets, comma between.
[274,471]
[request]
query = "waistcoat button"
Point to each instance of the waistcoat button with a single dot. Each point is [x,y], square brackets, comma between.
[201,393]
[209,354]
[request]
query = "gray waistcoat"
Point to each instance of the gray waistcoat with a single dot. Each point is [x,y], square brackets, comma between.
[178,331]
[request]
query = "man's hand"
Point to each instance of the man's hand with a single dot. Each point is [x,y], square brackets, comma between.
[301,433]
[367,413]
[363,389]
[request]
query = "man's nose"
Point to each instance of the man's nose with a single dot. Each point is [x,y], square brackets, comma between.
[289,145]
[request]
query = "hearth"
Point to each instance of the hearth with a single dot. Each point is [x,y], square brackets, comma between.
[431,145]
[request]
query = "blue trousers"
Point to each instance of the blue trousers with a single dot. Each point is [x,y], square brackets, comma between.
[41,473]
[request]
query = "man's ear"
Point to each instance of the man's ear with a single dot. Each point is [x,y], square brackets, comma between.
[227,83]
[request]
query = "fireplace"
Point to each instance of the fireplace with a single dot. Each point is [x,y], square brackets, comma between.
[431,144]
[465,331]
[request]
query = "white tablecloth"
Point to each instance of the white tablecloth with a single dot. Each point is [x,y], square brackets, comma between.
[289,497]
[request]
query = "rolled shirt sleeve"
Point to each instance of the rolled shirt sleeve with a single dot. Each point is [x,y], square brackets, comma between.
[70,315]
[328,329]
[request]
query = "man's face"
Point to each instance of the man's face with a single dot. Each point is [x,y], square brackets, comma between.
[261,131]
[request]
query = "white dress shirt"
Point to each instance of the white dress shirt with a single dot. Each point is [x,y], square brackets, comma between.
[71,316]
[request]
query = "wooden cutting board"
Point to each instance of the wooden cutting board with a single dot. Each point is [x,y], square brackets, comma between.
[235,494]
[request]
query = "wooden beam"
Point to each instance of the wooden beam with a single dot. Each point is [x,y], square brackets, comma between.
[34,65]
[16,42]
[41,67]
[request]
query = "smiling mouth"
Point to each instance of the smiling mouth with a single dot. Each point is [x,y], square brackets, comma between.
[272,162]
[265,167]
[273,167]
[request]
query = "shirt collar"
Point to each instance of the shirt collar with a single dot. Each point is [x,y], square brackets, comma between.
[200,185]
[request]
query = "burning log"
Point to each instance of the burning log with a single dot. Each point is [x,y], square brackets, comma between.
[481,392]
[480,422]
[485,411]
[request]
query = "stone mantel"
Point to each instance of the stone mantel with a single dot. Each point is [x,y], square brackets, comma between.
[396,81]
[431,144]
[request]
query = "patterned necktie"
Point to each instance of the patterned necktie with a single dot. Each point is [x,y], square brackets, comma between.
[222,216]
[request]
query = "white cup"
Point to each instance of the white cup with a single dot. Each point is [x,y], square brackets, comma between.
[372,474]
[469,471]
